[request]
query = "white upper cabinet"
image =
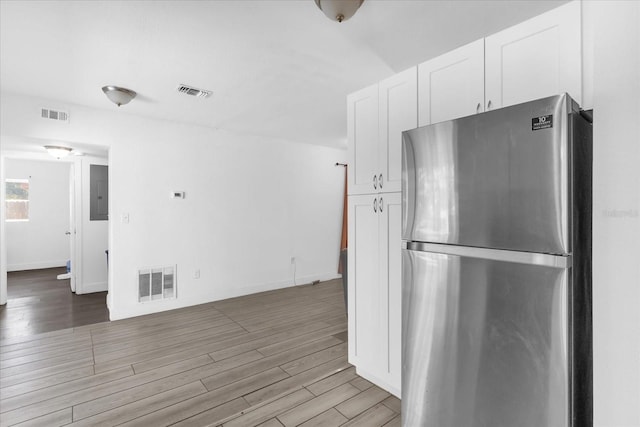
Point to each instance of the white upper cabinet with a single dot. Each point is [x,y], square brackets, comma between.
[376,118]
[537,58]
[398,96]
[362,134]
[452,85]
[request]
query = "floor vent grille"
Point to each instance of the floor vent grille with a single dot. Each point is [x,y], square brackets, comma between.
[156,283]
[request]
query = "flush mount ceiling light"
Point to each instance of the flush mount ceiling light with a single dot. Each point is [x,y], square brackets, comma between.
[339,10]
[57,151]
[119,95]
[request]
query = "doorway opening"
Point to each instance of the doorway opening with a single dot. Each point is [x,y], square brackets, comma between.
[53,263]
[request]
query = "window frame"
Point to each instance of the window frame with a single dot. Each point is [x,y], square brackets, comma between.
[7,200]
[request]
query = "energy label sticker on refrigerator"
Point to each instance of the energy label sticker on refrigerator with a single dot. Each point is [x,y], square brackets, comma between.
[542,122]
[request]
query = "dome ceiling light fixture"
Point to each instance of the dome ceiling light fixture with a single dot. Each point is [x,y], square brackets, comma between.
[57,151]
[339,10]
[119,95]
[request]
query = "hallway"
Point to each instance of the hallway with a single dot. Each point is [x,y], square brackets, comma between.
[38,302]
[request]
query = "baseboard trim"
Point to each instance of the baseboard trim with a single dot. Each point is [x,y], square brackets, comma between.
[36,265]
[89,288]
[180,302]
[306,280]
[378,381]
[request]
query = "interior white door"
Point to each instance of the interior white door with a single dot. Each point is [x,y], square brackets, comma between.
[537,58]
[362,134]
[452,85]
[398,97]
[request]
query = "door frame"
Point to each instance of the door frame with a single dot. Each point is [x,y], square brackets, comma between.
[76,226]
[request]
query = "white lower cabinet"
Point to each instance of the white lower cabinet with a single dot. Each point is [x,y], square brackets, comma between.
[375,289]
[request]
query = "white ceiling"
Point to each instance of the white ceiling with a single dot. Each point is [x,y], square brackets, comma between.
[276,68]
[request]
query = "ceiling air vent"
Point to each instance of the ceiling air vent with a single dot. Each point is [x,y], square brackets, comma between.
[200,93]
[47,113]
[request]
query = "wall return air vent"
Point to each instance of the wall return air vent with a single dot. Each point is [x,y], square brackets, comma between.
[47,113]
[156,283]
[188,90]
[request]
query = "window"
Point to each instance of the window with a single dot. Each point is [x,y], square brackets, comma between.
[17,199]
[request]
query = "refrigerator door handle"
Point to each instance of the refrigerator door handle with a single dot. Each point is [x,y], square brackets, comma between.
[375,205]
[380,181]
[380,204]
[533,258]
[375,182]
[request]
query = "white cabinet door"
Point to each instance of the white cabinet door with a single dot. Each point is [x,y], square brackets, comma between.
[390,277]
[537,58]
[362,135]
[374,284]
[398,112]
[364,320]
[452,85]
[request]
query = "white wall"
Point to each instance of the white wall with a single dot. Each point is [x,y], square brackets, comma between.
[40,242]
[250,203]
[616,218]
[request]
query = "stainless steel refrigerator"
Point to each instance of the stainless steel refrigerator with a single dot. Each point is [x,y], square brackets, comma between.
[496,269]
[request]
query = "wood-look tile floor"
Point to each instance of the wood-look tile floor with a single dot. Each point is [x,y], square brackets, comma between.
[277,358]
[38,302]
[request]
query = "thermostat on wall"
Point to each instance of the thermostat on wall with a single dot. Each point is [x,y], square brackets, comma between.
[177,194]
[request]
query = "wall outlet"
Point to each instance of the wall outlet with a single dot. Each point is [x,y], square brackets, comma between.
[196,274]
[293,260]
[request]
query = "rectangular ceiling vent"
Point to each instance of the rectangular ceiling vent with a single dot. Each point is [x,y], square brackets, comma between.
[188,90]
[156,283]
[47,113]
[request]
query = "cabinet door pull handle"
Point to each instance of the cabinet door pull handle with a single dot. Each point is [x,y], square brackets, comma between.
[375,205]
[375,182]
[478,108]
[489,105]
[380,181]
[380,204]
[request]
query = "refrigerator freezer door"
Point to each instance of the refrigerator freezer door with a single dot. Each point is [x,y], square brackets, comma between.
[484,342]
[498,179]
